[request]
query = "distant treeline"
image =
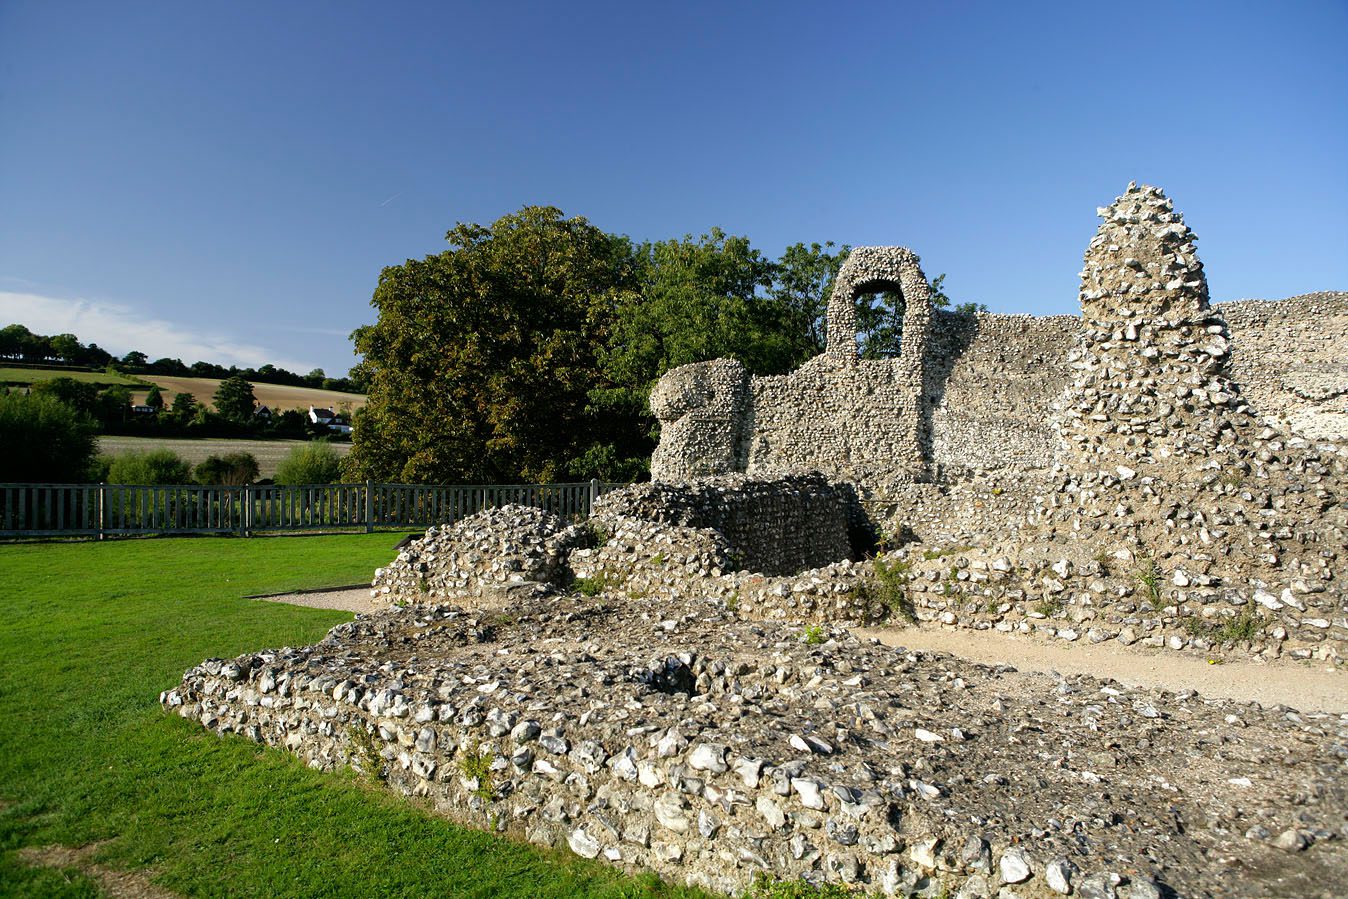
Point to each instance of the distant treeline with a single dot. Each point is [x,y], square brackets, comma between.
[20,346]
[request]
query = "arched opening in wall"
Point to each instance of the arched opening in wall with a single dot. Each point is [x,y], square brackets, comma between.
[880,311]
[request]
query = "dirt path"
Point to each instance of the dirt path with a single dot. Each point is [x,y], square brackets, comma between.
[113,883]
[355,599]
[1301,685]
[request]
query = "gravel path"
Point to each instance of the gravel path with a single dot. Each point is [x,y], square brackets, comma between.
[1301,685]
[1306,686]
[352,600]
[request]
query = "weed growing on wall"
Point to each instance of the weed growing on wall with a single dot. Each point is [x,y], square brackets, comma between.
[475,764]
[888,586]
[1245,626]
[1049,606]
[812,635]
[1148,577]
[364,752]
[591,586]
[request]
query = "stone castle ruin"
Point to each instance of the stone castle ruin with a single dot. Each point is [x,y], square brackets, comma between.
[673,684]
[974,393]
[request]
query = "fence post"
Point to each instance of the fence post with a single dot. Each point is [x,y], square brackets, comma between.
[594,493]
[369,506]
[247,510]
[102,510]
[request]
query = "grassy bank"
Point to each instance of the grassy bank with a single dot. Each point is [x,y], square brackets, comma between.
[34,375]
[90,633]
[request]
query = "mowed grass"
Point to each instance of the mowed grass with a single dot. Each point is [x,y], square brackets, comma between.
[33,375]
[90,633]
[269,453]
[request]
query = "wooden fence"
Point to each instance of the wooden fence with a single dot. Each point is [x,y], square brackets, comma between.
[107,510]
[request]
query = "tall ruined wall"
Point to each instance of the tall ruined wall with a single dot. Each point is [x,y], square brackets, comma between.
[1290,358]
[986,392]
[992,381]
[863,418]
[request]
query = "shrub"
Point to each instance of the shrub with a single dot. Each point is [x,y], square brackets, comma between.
[313,463]
[231,469]
[44,440]
[159,466]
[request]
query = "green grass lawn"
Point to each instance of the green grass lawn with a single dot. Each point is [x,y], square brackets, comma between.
[33,375]
[90,633]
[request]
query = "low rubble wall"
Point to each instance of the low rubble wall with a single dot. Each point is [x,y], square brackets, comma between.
[710,749]
[772,526]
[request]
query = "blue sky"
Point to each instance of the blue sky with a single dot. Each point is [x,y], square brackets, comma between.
[225,181]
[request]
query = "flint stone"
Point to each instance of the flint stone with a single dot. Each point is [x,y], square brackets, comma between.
[1015,866]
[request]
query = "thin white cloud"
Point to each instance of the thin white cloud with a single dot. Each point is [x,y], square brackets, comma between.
[119,329]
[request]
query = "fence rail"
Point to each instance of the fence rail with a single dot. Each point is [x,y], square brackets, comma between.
[109,510]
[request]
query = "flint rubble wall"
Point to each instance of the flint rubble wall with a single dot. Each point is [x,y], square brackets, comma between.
[1290,358]
[992,382]
[984,396]
[773,527]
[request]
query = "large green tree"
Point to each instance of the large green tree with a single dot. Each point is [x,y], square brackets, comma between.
[483,357]
[234,399]
[699,300]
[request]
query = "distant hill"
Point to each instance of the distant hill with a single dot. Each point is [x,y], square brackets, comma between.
[278,397]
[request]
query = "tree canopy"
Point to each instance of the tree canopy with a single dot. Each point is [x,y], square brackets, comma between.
[483,356]
[234,399]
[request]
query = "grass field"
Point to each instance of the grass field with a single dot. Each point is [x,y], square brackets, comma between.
[90,633]
[31,375]
[268,453]
[277,396]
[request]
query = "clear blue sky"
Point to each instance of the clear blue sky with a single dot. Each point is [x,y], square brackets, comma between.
[229,178]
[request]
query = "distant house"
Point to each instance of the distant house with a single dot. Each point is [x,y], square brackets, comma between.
[338,424]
